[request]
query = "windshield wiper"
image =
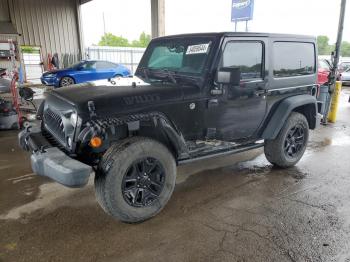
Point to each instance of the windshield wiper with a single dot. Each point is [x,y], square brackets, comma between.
[189,80]
[169,74]
[145,72]
[158,74]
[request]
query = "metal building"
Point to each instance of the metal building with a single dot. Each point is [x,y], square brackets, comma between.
[50,26]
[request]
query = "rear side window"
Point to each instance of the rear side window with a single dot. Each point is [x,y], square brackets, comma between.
[89,65]
[245,55]
[104,65]
[323,65]
[293,59]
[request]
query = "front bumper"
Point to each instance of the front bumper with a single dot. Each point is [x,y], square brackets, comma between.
[49,81]
[52,162]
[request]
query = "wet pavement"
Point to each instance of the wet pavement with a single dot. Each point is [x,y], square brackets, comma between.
[236,208]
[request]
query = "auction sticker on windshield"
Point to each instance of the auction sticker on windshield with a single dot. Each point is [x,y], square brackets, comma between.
[197,49]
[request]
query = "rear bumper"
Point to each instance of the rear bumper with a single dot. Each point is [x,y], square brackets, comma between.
[51,161]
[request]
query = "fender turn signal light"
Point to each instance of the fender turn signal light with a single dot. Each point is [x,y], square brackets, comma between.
[95,142]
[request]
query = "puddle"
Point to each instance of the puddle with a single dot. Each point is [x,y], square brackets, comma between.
[342,140]
[296,173]
[51,196]
[339,140]
[257,166]
[258,162]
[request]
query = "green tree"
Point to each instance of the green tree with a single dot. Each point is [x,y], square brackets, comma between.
[345,49]
[109,39]
[323,45]
[143,41]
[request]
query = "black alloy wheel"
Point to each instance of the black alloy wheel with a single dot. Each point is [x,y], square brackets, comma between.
[143,182]
[295,141]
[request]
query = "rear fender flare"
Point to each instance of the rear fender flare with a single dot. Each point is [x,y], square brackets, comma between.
[283,110]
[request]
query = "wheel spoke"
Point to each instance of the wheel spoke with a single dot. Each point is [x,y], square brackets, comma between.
[299,139]
[136,196]
[149,196]
[157,176]
[131,180]
[151,166]
[130,194]
[132,173]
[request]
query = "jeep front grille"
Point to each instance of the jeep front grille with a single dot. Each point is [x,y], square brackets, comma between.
[54,124]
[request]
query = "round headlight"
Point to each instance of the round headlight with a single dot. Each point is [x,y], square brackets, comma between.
[50,75]
[73,118]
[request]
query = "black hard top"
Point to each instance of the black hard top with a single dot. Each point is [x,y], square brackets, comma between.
[243,34]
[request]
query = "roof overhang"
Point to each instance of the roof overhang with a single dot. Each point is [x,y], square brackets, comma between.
[84,1]
[7,28]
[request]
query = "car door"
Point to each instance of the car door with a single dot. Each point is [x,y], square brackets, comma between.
[238,111]
[85,72]
[105,69]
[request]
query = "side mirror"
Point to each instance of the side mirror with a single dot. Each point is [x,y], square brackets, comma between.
[80,68]
[228,76]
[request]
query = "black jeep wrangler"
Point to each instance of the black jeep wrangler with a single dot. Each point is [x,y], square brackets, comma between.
[205,95]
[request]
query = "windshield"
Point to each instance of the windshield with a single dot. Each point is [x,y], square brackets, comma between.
[76,65]
[181,55]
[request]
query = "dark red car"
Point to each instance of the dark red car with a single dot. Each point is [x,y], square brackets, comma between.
[324,68]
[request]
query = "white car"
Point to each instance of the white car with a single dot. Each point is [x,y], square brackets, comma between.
[119,81]
[345,77]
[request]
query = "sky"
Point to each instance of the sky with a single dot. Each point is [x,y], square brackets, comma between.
[132,17]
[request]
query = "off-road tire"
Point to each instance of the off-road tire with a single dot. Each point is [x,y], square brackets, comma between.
[114,166]
[275,148]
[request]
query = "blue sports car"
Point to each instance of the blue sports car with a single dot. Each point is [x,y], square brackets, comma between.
[84,71]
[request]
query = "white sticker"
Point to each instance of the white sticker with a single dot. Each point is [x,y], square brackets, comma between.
[197,49]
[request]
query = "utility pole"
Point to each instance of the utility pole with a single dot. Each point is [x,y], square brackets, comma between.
[335,60]
[340,34]
[104,23]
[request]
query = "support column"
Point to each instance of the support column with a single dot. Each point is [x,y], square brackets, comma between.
[158,18]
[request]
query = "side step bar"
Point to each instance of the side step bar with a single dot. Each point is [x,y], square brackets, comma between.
[236,150]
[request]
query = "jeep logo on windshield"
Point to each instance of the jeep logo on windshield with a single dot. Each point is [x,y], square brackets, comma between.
[142,99]
[240,4]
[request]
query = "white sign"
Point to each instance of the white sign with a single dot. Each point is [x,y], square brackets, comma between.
[241,4]
[197,49]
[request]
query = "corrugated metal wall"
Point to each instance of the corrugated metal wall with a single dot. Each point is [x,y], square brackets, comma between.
[50,24]
[4,14]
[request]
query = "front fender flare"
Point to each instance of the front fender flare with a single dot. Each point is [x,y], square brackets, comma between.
[106,126]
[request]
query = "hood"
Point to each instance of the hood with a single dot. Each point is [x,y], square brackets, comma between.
[118,100]
[55,71]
